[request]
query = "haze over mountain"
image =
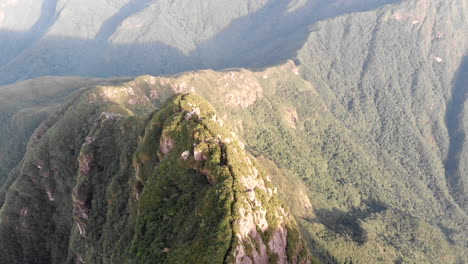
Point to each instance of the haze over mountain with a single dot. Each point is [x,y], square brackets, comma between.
[340,139]
[97,38]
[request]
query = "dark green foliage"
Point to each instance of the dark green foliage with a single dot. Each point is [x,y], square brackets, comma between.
[182,218]
[128,199]
[354,138]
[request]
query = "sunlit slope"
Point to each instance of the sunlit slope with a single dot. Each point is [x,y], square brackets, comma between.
[129,38]
[390,76]
[348,202]
[363,134]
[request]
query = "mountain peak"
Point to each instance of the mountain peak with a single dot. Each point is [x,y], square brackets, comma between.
[196,194]
[237,199]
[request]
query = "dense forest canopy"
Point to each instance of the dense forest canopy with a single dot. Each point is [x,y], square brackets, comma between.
[351,116]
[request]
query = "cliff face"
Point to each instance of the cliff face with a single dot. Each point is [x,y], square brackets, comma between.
[108,180]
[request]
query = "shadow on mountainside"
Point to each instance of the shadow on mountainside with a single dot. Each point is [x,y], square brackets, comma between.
[454,121]
[21,41]
[111,24]
[269,36]
[348,223]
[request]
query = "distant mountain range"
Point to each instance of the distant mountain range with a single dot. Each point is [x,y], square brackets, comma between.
[125,38]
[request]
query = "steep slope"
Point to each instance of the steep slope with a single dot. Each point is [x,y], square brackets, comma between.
[59,37]
[455,163]
[188,193]
[23,106]
[362,133]
[390,76]
[349,205]
[398,97]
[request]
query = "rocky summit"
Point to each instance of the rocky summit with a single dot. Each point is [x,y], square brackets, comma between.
[176,184]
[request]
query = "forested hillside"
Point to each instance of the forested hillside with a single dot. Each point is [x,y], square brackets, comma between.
[174,182]
[359,123]
[391,77]
[135,37]
[23,106]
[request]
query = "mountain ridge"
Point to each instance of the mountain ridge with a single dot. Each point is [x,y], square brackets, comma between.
[38,199]
[268,108]
[162,42]
[352,130]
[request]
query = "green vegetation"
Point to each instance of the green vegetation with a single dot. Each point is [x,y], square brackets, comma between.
[386,78]
[353,135]
[166,207]
[182,218]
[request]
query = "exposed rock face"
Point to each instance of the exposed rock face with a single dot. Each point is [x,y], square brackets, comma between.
[291,117]
[278,244]
[185,155]
[166,145]
[85,164]
[247,92]
[199,156]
